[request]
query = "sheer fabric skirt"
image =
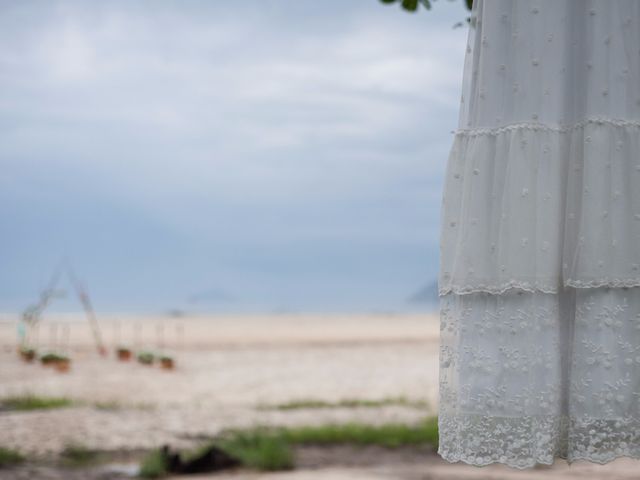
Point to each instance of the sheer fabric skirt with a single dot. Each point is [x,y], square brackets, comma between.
[526,377]
[540,237]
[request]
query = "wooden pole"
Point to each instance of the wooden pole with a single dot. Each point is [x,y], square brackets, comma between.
[88,310]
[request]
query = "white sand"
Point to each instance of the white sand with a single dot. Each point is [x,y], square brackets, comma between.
[225,367]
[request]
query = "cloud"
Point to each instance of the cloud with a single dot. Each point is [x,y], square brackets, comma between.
[226,124]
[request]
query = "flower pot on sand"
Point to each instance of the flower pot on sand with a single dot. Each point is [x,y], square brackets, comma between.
[62,365]
[124,354]
[167,363]
[28,354]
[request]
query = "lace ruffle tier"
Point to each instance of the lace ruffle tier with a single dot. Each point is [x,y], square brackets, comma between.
[538,208]
[527,377]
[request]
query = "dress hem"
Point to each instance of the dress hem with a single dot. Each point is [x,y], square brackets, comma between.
[452,458]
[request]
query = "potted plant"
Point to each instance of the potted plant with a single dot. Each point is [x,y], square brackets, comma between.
[167,362]
[146,358]
[62,363]
[124,354]
[48,359]
[28,354]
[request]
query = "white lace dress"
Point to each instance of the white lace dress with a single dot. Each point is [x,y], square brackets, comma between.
[540,238]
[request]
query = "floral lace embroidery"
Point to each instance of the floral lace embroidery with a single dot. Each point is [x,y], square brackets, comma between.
[530,440]
[526,377]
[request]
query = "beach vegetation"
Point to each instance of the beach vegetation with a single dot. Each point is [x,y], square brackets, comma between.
[76,455]
[347,403]
[390,435]
[58,361]
[271,448]
[10,457]
[51,357]
[146,358]
[108,405]
[34,402]
[154,465]
[260,448]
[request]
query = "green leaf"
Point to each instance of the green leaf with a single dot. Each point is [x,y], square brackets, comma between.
[410,5]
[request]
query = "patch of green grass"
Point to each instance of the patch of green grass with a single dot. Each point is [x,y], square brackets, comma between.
[9,457]
[270,448]
[116,405]
[296,404]
[261,448]
[109,405]
[34,402]
[347,403]
[388,435]
[153,465]
[266,448]
[75,455]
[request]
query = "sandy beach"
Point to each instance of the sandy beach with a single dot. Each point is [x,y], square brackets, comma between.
[228,371]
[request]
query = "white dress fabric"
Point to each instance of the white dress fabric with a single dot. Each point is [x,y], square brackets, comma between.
[540,238]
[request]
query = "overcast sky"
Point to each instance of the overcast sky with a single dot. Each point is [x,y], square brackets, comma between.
[235,155]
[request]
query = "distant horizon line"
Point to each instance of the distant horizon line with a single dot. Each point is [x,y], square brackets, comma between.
[109,314]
